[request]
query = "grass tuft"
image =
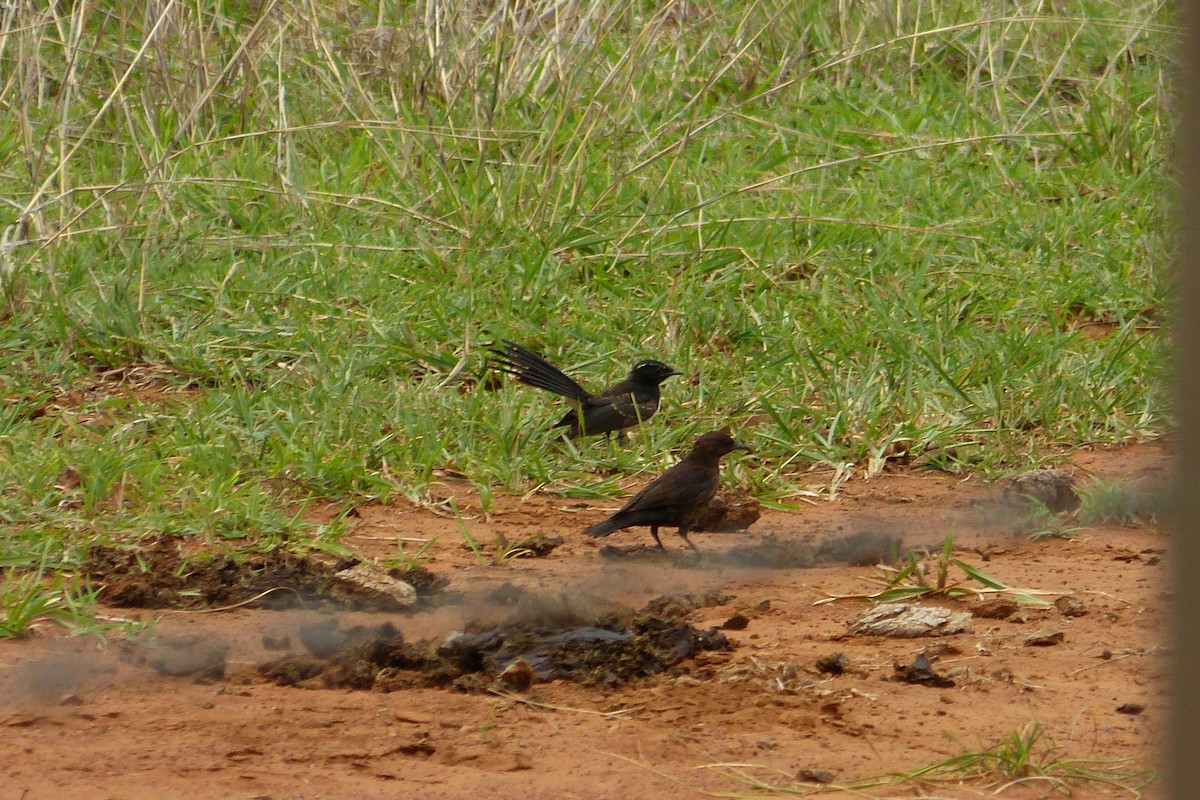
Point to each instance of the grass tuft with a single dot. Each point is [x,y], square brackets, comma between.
[1025,757]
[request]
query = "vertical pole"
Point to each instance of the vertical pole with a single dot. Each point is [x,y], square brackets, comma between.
[1183,743]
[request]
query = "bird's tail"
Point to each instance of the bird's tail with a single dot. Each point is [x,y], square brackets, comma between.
[604,528]
[531,368]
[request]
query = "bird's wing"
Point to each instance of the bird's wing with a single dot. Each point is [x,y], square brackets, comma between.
[646,394]
[612,415]
[680,485]
[623,406]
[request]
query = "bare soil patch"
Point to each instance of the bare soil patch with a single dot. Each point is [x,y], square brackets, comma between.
[791,698]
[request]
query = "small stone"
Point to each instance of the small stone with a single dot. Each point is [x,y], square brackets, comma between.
[996,608]
[835,664]
[517,676]
[910,620]
[921,672]
[1046,637]
[1070,606]
[738,622]
[373,581]
[942,648]
[811,775]
[764,606]
[1131,708]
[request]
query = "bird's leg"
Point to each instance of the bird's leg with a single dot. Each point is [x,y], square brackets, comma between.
[683,534]
[657,541]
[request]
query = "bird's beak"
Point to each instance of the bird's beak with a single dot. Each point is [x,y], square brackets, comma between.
[746,447]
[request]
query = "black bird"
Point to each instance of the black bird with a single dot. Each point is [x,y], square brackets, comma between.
[677,497]
[629,402]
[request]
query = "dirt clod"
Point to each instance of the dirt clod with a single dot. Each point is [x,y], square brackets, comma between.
[677,606]
[1053,488]
[996,608]
[833,664]
[921,672]
[1070,606]
[1046,637]
[738,622]
[811,775]
[517,676]
[292,669]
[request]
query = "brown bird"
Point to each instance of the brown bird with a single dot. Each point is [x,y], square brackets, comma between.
[628,403]
[677,497]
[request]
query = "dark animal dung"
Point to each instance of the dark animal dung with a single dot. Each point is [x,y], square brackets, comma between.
[609,650]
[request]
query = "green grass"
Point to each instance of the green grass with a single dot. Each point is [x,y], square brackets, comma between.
[1024,757]
[909,577]
[1105,502]
[861,232]
[28,599]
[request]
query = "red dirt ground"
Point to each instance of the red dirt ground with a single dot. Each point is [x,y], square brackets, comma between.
[79,722]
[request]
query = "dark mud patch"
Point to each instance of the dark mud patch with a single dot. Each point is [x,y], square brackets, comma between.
[158,575]
[545,640]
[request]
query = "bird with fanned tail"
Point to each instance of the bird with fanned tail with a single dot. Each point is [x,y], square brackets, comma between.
[626,404]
